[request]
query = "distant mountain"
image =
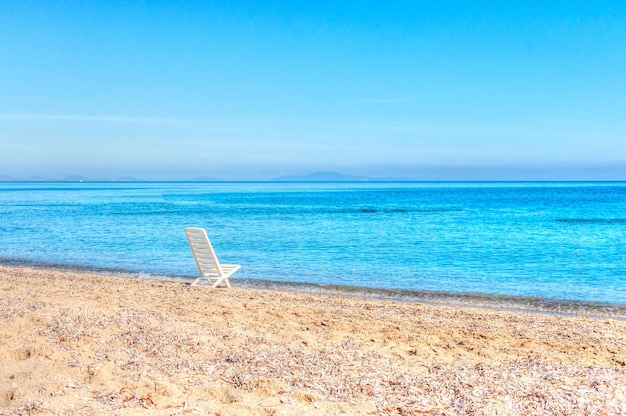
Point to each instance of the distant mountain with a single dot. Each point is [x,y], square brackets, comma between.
[127,179]
[321,177]
[5,178]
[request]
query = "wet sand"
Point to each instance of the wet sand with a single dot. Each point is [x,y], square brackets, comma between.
[82,343]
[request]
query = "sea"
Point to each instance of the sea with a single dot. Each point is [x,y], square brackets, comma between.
[546,242]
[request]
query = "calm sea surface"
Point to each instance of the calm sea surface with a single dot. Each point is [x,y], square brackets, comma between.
[562,241]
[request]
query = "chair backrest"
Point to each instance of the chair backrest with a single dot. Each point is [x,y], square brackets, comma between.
[203,253]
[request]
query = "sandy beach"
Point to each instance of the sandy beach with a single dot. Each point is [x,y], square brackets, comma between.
[81,343]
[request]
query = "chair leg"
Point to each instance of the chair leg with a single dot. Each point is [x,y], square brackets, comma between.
[218,282]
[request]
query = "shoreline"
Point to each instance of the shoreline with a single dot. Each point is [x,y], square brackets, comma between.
[504,303]
[85,343]
[497,302]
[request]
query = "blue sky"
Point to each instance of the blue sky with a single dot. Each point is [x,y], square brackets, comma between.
[254,90]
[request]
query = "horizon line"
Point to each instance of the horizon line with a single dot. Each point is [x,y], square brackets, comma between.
[311,181]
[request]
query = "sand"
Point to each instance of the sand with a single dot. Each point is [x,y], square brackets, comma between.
[81,343]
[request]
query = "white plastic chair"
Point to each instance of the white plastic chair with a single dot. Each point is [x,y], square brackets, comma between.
[210,269]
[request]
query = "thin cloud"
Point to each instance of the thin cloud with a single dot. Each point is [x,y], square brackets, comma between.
[379,101]
[87,118]
[95,119]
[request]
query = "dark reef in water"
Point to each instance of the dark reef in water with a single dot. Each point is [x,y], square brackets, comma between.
[593,220]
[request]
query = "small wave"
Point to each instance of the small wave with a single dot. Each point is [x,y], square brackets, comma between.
[371,210]
[78,268]
[593,220]
[390,210]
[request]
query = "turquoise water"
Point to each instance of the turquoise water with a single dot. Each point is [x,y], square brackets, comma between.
[553,240]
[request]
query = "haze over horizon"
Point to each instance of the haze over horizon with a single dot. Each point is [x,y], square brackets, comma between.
[239,91]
